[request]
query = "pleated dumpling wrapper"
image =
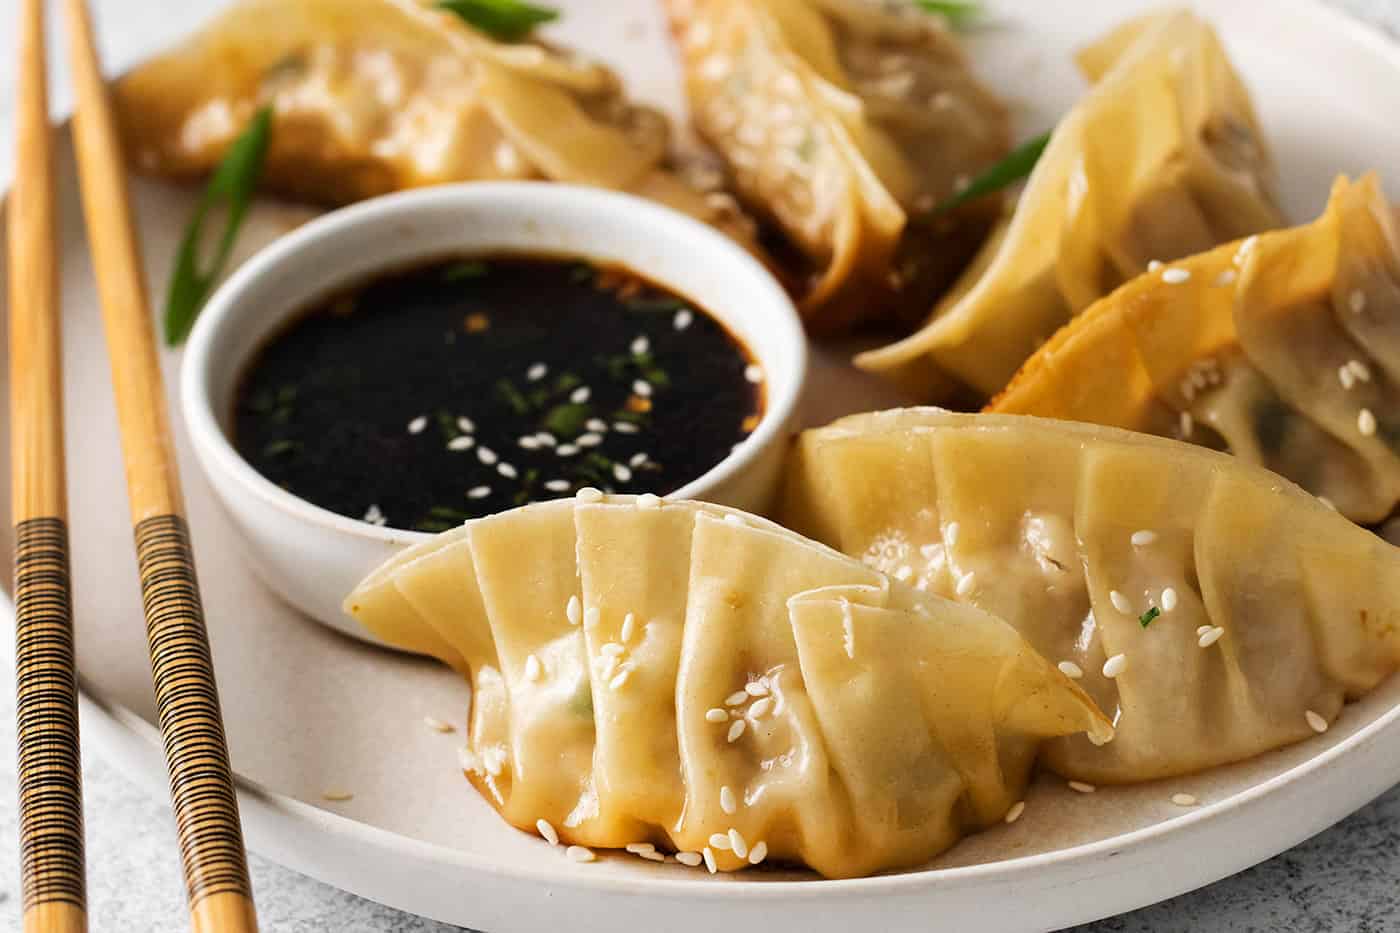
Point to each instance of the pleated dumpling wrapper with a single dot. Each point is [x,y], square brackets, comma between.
[844,123]
[373,96]
[1283,349]
[1213,609]
[655,673]
[1162,158]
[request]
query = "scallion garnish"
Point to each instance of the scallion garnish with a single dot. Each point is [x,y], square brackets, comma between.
[1017,165]
[957,12]
[1146,618]
[507,20]
[232,185]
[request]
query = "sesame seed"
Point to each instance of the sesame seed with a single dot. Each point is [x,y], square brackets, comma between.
[486,455]
[580,854]
[626,427]
[1210,637]
[1176,276]
[1095,740]
[715,714]
[546,439]
[1168,599]
[1360,370]
[1153,265]
[1227,277]
[478,492]
[720,841]
[1188,424]
[574,610]
[1115,665]
[536,372]
[1071,670]
[642,387]
[468,759]
[736,729]
[736,698]
[596,424]
[557,485]
[727,803]
[590,617]
[710,860]
[1081,787]
[437,725]
[462,442]
[1357,300]
[1143,538]
[648,500]
[1015,812]
[529,442]
[683,319]
[640,346]
[950,534]
[374,515]
[637,848]
[756,688]
[589,440]
[904,573]
[758,853]
[638,459]
[761,707]
[1318,724]
[1183,800]
[580,395]
[533,669]
[337,795]
[547,831]
[1366,422]
[612,650]
[753,373]
[1346,377]
[622,473]
[737,843]
[617,682]
[1202,629]
[466,425]
[1120,602]
[506,470]
[417,425]
[690,859]
[966,583]
[589,494]
[629,625]
[566,450]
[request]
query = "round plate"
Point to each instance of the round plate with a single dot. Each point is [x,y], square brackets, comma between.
[308,710]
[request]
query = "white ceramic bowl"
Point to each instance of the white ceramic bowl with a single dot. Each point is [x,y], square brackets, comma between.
[313,557]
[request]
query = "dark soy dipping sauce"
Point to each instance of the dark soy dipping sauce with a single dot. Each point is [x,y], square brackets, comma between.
[463,387]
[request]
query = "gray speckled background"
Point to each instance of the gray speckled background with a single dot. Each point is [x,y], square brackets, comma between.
[1342,881]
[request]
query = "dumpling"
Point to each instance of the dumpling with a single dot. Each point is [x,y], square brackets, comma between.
[844,123]
[372,96]
[1213,609]
[1162,158]
[690,677]
[1283,349]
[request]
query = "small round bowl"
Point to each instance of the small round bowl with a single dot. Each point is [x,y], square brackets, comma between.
[313,557]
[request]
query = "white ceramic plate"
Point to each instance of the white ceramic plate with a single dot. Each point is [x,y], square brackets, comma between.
[309,710]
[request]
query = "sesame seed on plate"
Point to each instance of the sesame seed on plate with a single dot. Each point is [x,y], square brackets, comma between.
[478,492]
[648,500]
[1015,812]
[736,729]
[1081,787]
[690,859]
[621,678]
[683,319]
[1153,265]
[1202,629]
[574,610]
[637,848]
[1346,377]
[337,795]
[529,442]
[1143,538]
[466,425]
[1175,276]
[720,841]
[547,831]
[625,427]
[374,515]
[487,456]
[950,534]
[589,494]
[761,707]
[1366,422]
[557,485]
[1210,637]
[417,425]
[597,425]
[622,473]
[533,669]
[566,450]
[546,439]
[1115,665]
[737,843]
[715,714]
[736,698]
[727,802]
[710,860]
[580,395]
[506,470]
[756,688]
[461,442]
[638,459]
[966,583]
[437,725]
[758,853]
[753,373]
[590,616]
[1357,300]
[1184,800]
[1360,370]
[1071,670]
[1316,722]
[1168,599]
[629,625]
[581,854]
[589,440]
[536,372]
[640,346]
[641,387]
[1120,602]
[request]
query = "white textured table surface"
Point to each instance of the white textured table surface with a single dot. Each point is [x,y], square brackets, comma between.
[1342,881]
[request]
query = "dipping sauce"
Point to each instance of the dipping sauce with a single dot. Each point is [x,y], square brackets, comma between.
[463,387]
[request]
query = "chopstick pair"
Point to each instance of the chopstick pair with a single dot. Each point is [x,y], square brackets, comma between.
[201,780]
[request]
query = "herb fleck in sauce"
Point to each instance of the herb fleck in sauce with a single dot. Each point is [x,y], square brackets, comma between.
[463,387]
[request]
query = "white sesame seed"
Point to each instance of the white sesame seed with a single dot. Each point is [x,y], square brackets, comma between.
[736,729]
[486,455]
[629,625]
[466,425]
[590,617]
[715,714]
[1081,787]
[529,442]
[478,492]
[621,678]
[1095,740]
[1227,277]
[1015,812]
[642,387]
[1115,665]
[468,759]
[737,843]
[557,485]
[536,372]
[1153,265]
[638,459]
[690,859]
[683,319]
[547,831]
[1366,422]
[758,853]
[637,848]
[727,802]
[1357,300]
[1071,670]
[1360,370]
[756,688]
[753,373]
[737,698]
[461,442]
[761,707]
[337,795]
[1143,538]
[648,500]
[625,427]
[1176,276]
[622,473]
[720,841]
[966,583]
[1188,424]
[950,534]
[652,856]
[574,610]
[612,649]
[417,425]
[1184,800]
[710,860]
[437,725]
[1120,602]
[1202,629]
[596,424]
[1346,377]
[374,515]
[546,439]
[533,669]
[589,440]
[566,450]
[1210,637]
[640,346]
[1318,724]
[506,470]
[580,395]
[589,494]
[1168,599]
[580,854]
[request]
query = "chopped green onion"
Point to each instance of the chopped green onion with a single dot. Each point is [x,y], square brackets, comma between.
[957,12]
[1017,165]
[233,184]
[1146,618]
[507,20]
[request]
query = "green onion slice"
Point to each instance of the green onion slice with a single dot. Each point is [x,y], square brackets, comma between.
[1017,165]
[506,20]
[958,13]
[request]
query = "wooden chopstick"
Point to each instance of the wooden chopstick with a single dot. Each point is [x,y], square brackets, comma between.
[50,772]
[196,752]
